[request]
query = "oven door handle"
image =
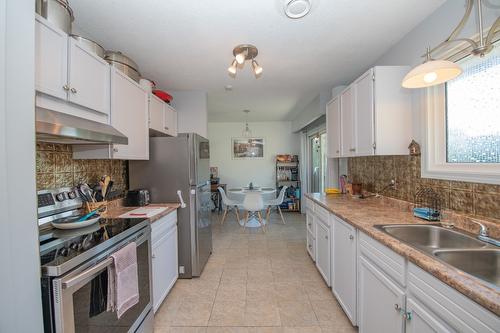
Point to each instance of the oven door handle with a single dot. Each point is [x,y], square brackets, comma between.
[85,274]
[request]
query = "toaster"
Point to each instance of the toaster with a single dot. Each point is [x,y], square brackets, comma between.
[137,198]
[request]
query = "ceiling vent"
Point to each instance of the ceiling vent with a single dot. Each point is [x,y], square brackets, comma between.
[296,9]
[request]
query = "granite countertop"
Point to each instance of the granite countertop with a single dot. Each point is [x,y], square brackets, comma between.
[365,213]
[115,212]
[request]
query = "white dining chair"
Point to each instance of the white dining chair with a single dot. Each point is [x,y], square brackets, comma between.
[253,204]
[229,205]
[276,203]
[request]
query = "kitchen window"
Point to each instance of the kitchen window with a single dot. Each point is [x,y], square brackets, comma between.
[473,111]
[461,123]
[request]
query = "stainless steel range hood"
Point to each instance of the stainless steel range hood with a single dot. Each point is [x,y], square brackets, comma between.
[57,127]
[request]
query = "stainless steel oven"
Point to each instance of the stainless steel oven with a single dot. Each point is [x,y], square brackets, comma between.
[72,293]
[67,297]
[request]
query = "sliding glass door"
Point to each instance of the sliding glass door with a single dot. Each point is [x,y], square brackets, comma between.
[317,170]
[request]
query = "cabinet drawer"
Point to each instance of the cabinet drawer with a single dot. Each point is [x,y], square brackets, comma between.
[384,258]
[162,226]
[322,213]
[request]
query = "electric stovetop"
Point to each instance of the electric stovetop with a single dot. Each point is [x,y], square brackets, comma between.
[62,250]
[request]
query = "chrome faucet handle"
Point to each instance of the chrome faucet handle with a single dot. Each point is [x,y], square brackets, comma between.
[483,231]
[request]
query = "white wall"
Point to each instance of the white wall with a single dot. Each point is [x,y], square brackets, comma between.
[278,137]
[312,111]
[192,111]
[20,300]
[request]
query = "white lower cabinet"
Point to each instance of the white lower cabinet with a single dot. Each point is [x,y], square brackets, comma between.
[344,267]
[323,249]
[381,301]
[422,320]
[380,290]
[164,257]
[311,233]
[433,306]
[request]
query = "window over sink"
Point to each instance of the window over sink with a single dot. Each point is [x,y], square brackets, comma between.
[473,111]
[461,123]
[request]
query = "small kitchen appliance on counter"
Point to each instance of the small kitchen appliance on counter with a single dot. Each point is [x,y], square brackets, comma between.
[138,198]
[74,265]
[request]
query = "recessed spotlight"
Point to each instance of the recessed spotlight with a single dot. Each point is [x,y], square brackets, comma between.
[297,8]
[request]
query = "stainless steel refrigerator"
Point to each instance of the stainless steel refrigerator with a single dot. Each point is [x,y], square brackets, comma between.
[181,164]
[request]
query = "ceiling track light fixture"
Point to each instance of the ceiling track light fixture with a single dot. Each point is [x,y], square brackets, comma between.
[433,72]
[243,53]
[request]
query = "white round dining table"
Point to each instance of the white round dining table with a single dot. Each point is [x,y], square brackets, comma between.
[238,194]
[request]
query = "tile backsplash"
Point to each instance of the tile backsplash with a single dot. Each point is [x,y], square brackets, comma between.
[55,167]
[375,172]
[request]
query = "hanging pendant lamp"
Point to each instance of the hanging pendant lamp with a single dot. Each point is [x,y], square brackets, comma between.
[247,133]
[433,72]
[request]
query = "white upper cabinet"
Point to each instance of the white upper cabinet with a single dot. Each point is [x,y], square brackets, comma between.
[69,79]
[162,118]
[375,115]
[51,59]
[347,123]
[129,115]
[156,115]
[170,120]
[333,125]
[88,79]
[129,104]
[363,116]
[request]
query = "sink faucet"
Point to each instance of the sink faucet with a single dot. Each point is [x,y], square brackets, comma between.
[483,234]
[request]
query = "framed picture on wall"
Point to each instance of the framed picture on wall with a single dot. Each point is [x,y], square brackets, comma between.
[247,148]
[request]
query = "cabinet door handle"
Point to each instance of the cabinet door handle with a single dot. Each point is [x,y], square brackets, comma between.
[115,150]
[66,87]
[153,256]
[326,237]
[351,237]
[338,151]
[407,315]
[166,128]
[352,149]
[73,90]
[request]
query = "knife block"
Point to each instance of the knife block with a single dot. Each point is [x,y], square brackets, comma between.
[91,206]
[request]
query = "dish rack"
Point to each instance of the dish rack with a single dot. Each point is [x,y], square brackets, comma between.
[427,204]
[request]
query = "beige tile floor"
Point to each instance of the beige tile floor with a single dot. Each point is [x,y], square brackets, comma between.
[254,282]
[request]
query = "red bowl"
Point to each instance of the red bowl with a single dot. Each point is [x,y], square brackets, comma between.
[163,95]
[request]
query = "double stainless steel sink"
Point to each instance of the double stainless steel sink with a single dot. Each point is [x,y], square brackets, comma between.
[453,247]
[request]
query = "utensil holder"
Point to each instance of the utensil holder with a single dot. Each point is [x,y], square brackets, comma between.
[91,206]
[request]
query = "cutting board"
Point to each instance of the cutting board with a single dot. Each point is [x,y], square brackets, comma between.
[143,212]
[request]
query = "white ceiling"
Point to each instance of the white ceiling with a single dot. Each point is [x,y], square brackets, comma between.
[187,45]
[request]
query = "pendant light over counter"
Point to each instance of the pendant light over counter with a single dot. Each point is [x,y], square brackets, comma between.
[247,133]
[433,72]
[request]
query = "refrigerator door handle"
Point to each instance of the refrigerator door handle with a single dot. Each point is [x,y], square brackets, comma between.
[179,194]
